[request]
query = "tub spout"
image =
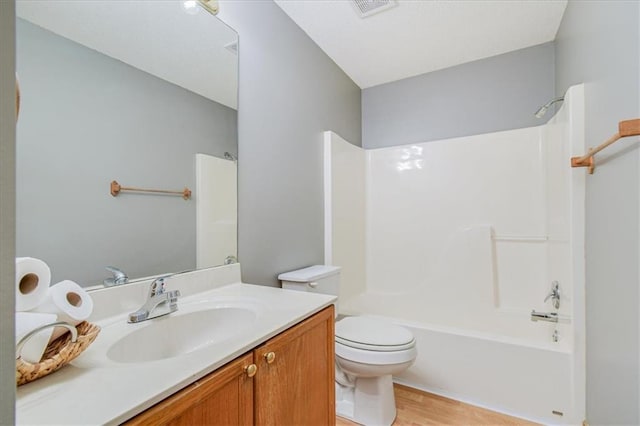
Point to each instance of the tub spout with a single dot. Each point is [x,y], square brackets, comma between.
[544,316]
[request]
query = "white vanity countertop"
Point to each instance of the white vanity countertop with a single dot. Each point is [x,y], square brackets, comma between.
[95,390]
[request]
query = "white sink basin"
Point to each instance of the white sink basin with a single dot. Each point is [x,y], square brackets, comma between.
[179,334]
[252,313]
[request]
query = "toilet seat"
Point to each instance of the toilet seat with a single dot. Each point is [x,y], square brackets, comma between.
[372,341]
[375,348]
[373,334]
[364,356]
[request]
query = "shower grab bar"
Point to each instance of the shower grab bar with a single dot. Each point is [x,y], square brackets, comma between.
[625,128]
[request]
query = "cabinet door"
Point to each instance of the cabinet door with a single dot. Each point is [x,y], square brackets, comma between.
[224,397]
[295,380]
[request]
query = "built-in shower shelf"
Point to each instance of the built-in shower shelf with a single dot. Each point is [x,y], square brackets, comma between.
[522,238]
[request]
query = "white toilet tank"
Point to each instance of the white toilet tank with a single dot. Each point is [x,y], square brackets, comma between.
[316,279]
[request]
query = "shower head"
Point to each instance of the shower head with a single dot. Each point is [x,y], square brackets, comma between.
[543,109]
[230,156]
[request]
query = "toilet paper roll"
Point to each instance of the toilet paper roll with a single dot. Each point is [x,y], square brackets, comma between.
[70,302]
[33,277]
[28,321]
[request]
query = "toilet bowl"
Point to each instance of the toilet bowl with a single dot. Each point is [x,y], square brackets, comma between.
[369,351]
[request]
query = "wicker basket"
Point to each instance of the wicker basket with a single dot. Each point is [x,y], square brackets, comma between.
[59,353]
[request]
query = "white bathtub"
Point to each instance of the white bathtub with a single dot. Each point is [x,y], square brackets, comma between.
[518,375]
[510,377]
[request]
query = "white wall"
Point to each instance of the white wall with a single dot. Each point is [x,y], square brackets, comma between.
[7,211]
[598,43]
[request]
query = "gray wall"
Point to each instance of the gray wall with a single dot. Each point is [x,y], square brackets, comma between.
[290,92]
[488,95]
[7,211]
[88,119]
[598,43]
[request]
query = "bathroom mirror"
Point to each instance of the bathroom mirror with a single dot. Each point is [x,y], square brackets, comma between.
[139,92]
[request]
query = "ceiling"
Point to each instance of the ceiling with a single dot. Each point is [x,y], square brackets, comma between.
[420,36]
[157,37]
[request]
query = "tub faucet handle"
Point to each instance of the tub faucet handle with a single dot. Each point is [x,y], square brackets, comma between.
[554,294]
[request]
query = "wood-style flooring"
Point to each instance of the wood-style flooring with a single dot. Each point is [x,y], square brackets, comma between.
[418,408]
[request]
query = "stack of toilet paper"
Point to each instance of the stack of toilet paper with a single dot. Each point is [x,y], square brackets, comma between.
[38,303]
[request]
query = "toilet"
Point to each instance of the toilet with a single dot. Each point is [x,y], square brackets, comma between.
[369,351]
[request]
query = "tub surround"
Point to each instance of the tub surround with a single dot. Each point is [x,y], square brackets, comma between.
[458,240]
[110,392]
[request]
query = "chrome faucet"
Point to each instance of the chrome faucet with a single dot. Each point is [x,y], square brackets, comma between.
[119,277]
[231,259]
[160,302]
[554,294]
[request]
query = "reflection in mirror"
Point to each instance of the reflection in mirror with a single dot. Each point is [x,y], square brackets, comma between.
[134,91]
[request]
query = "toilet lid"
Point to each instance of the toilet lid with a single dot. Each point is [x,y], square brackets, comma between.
[373,334]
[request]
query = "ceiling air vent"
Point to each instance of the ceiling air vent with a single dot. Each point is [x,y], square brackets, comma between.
[367,8]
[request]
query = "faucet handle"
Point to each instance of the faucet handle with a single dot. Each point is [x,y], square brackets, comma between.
[173,299]
[554,294]
[119,277]
[158,285]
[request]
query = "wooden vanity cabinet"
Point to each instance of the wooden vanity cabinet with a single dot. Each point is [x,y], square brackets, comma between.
[295,380]
[224,397]
[292,384]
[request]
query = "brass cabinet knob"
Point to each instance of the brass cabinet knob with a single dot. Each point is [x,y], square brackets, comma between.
[251,370]
[270,357]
